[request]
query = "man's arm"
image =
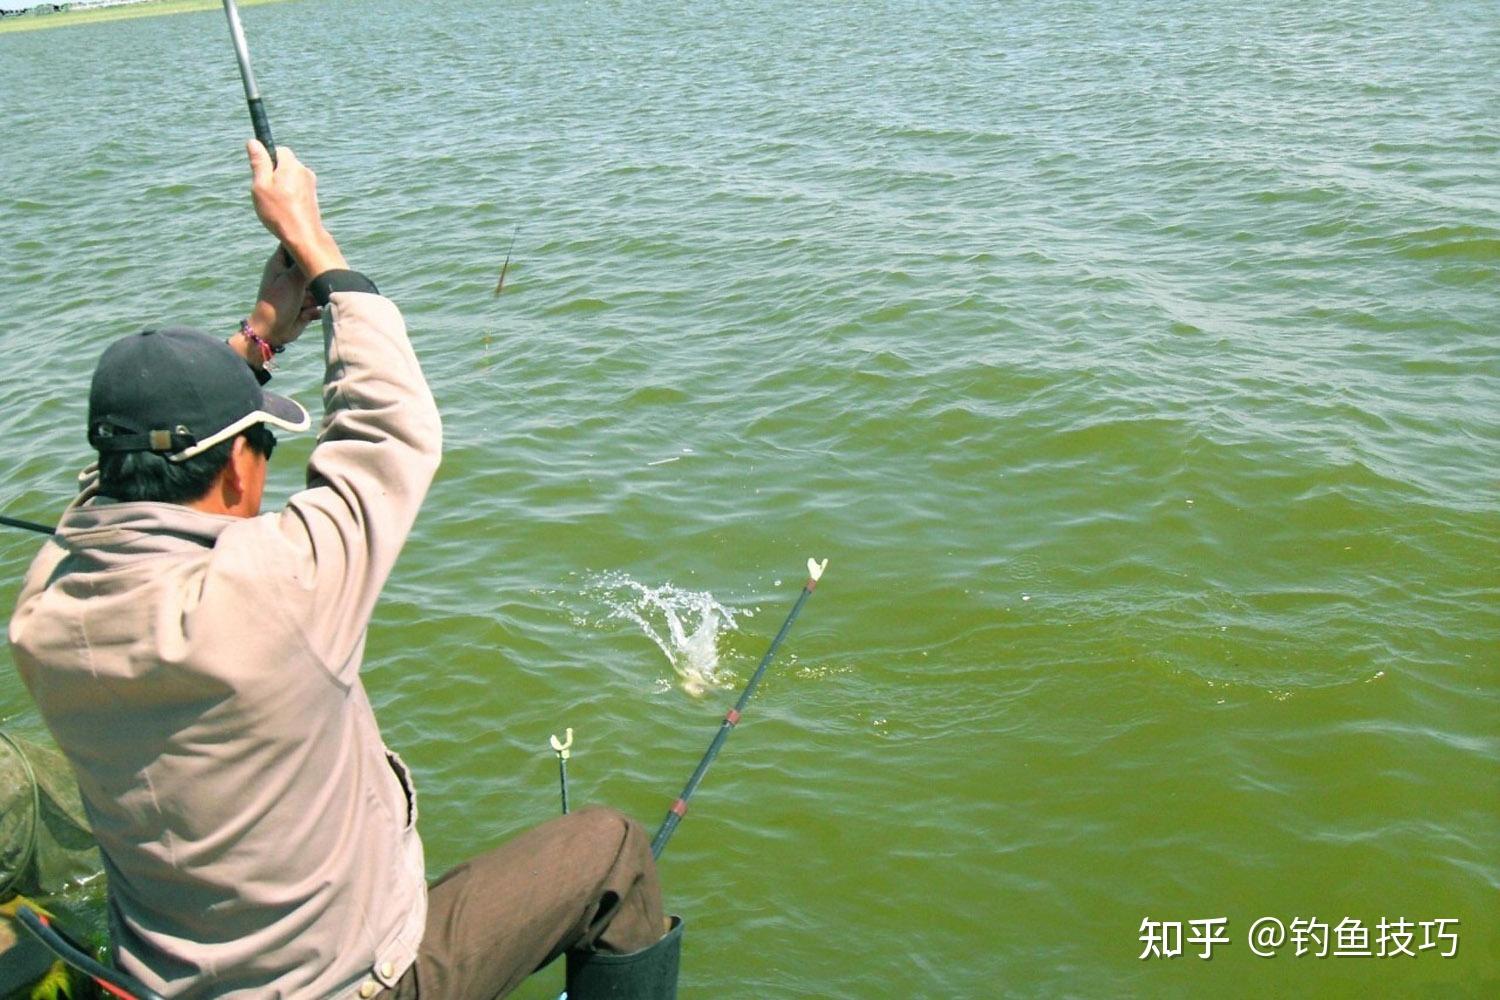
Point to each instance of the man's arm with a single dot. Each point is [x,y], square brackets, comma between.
[380,440]
[284,306]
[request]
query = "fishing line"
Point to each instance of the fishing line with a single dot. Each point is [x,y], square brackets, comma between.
[500,285]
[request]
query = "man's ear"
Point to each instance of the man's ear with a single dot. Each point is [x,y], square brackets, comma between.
[232,485]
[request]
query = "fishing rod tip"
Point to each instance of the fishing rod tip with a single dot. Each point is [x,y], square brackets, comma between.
[815,569]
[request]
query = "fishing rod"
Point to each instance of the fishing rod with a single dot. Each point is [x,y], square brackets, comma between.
[262,126]
[112,981]
[16,522]
[258,119]
[732,717]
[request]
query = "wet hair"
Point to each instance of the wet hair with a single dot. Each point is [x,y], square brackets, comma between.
[144,475]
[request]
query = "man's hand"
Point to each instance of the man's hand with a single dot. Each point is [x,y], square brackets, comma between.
[286,200]
[284,306]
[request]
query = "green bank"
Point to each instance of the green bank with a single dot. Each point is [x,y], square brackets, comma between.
[35,21]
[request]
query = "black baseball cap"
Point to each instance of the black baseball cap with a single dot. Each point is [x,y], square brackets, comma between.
[179,392]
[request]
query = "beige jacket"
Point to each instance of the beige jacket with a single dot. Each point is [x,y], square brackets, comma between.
[201,672]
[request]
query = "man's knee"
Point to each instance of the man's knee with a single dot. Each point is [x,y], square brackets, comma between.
[602,825]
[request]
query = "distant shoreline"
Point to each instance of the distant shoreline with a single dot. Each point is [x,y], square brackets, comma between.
[127,10]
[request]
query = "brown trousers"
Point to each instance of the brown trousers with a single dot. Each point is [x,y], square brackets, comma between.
[582,881]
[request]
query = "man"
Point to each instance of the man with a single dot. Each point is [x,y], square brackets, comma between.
[198,662]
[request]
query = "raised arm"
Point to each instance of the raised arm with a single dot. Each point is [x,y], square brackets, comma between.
[380,440]
[286,201]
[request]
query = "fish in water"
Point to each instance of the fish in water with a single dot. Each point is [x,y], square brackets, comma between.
[685,625]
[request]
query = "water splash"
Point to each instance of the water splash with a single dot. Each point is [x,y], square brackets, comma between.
[684,624]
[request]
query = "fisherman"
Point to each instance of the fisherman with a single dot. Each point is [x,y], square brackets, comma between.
[198,663]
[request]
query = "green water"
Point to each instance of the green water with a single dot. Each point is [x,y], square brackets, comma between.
[1133,363]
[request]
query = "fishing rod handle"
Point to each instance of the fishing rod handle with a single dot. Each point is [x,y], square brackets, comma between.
[262,125]
[258,119]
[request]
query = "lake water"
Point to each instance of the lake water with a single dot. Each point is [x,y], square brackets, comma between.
[1134,364]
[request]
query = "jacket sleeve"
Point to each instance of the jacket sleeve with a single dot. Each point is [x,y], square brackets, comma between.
[377,451]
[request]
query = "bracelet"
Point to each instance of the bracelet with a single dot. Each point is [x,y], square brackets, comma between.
[266,350]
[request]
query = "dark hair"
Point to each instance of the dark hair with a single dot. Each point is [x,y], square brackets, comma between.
[144,475]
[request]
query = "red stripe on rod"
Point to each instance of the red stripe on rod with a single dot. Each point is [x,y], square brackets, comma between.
[680,808]
[732,717]
[812,584]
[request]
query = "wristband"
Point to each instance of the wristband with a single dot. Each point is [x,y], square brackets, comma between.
[266,350]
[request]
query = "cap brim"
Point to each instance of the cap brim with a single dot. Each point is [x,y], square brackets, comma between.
[283,412]
[278,411]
